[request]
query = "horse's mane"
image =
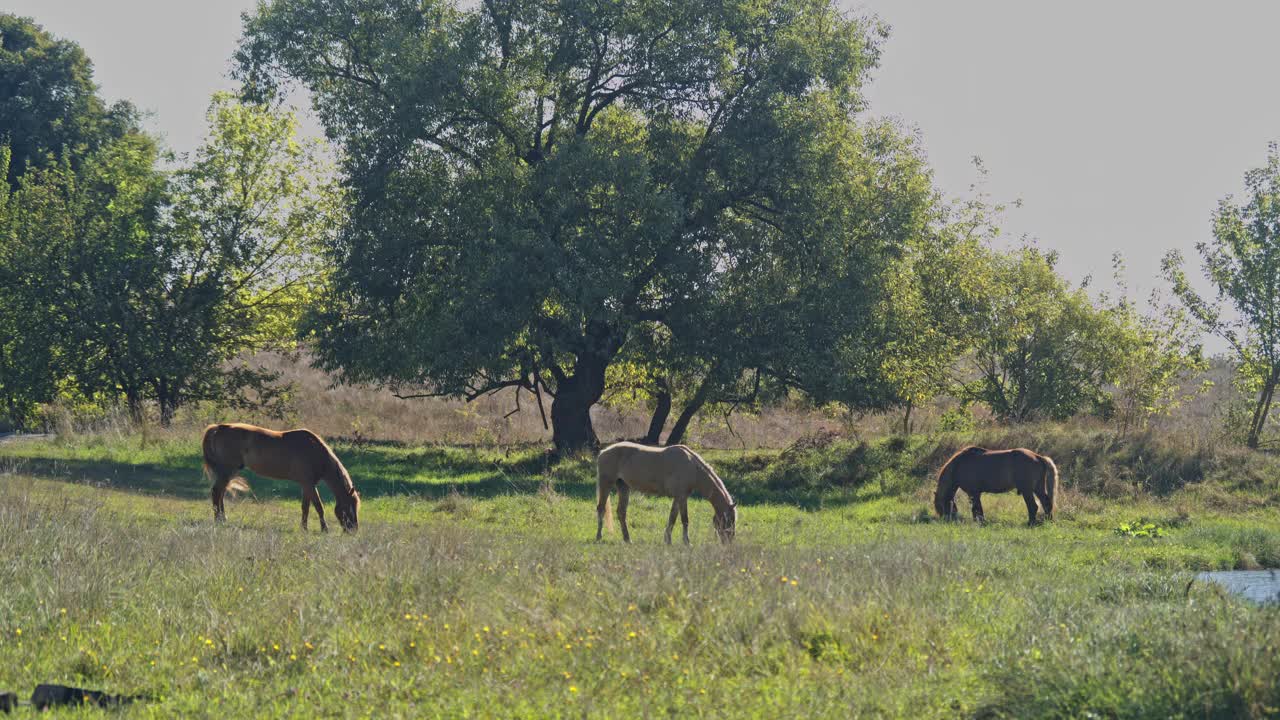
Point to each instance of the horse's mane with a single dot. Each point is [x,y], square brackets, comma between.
[343,475]
[715,479]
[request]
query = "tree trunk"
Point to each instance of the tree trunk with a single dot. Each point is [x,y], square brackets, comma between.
[906,419]
[1261,411]
[133,400]
[571,428]
[686,416]
[168,406]
[660,413]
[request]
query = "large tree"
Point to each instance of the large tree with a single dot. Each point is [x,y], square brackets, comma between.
[534,185]
[1040,348]
[1243,263]
[28,361]
[49,105]
[142,286]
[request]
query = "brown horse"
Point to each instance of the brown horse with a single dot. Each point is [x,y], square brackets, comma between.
[674,471]
[977,470]
[297,455]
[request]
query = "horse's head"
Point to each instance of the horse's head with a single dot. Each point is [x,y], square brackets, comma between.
[347,510]
[726,521]
[946,506]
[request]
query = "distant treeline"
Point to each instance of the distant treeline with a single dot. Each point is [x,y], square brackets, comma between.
[679,200]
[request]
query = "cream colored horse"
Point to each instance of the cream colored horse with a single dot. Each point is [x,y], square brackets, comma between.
[674,472]
[297,455]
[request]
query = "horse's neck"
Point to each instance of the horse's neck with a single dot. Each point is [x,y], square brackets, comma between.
[338,481]
[713,489]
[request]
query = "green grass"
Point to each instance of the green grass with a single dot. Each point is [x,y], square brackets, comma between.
[474,587]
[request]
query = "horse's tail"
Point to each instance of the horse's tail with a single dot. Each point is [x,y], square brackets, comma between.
[235,485]
[1050,480]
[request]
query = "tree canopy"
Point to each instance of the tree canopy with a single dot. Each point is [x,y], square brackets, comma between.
[535,186]
[48,100]
[1243,263]
[122,281]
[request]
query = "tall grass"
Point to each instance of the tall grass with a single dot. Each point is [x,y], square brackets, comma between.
[473,587]
[500,605]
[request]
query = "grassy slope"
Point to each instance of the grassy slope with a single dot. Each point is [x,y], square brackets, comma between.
[473,587]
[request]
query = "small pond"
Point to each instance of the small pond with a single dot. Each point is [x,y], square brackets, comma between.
[1262,586]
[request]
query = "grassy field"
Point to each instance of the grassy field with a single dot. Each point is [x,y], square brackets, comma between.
[474,587]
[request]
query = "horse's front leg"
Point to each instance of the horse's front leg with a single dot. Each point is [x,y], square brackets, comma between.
[975,502]
[1045,503]
[684,517]
[1030,498]
[671,520]
[314,497]
[624,495]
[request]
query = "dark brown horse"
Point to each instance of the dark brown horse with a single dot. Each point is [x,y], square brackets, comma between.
[977,470]
[297,455]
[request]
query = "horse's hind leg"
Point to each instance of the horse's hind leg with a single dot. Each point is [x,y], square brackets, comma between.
[216,494]
[624,494]
[219,491]
[1030,498]
[602,507]
[671,520]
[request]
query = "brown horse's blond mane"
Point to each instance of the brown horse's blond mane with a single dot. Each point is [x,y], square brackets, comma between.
[344,476]
[298,455]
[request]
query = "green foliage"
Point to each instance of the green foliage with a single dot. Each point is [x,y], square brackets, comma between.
[1153,356]
[1141,528]
[1041,349]
[73,247]
[959,419]
[538,186]
[129,283]
[49,107]
[936,285]
[1243,261]
[27,373]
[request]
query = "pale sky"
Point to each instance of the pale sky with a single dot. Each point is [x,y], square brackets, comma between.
[1118,124]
